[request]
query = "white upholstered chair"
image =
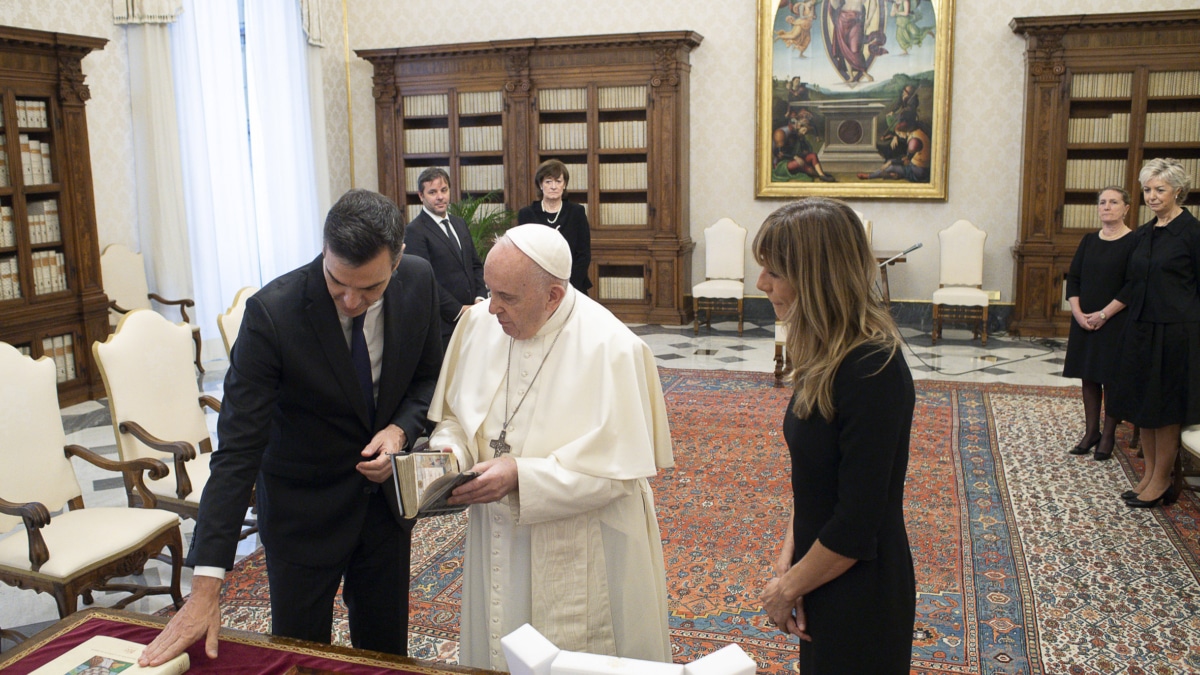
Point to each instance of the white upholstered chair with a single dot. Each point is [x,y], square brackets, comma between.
[725,273]
[959,296]
[123,275]
[781,361]
[156,406]
[230,322]
[79,550]
[866,223]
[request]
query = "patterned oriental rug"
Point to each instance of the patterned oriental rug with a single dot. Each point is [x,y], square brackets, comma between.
[1026,560]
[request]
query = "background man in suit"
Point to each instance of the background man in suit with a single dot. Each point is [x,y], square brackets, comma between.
[445,242]
[333,370]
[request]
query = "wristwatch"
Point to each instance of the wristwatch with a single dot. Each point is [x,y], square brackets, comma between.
[1103,316]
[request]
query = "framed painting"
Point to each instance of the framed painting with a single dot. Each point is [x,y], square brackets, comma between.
[854,98]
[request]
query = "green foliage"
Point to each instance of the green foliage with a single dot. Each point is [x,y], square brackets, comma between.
[485,224]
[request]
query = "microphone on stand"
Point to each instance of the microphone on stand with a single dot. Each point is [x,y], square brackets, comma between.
[903,253]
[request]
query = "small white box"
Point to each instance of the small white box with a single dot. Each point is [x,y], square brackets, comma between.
[528,652]
[729,660]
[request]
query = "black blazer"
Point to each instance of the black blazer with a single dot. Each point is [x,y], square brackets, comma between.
[572,224]
[1163,280]
[294,419]
[459,277]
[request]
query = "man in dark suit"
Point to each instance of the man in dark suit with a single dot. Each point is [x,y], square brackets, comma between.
[445,242]
[332,372]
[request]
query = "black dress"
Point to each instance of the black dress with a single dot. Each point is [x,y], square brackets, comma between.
[1160,347]
[848,491]
[1097,275]
[572,223]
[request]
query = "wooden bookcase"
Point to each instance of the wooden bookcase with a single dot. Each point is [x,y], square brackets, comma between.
[1104,93]
[614,108]
[51,302]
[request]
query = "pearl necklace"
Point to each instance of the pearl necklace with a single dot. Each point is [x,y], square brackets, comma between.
[557,213]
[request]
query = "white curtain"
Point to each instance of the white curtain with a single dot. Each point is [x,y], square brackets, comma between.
[162,219]
[218,190]
[281,136]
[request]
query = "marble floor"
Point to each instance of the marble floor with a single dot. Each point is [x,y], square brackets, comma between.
[956,357]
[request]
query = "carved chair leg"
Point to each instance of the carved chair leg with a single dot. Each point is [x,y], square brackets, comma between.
[778,364]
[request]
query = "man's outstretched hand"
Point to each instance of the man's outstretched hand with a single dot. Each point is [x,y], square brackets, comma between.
[199,617]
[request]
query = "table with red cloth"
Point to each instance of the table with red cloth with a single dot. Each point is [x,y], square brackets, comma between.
[240,652]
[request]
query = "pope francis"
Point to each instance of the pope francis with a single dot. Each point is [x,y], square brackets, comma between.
[558,407]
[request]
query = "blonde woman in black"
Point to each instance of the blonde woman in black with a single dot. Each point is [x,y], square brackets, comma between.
[843,579]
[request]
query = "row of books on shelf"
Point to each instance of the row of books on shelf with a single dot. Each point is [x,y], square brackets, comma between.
[622,97]
[625,176]
[480,139]
[480,103]
[481,178]
[10,278]
[623,134]
[1093,174]
[1080,217]
[1174,83]
[61,350]
[622,288]
[623,214]
[1112,129]
[1173,127]
[30,114]
[49,272]
[559,100]
[426,105]
[35,161]
[1101,85]
[563,136]
[44,227]
[426,141]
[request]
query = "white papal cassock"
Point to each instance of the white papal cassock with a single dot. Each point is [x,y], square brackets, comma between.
[575,551]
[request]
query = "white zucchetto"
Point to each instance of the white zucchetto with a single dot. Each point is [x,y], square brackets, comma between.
[545,246]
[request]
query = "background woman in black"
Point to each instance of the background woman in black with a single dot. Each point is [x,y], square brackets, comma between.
[1096,276]
[569,219]
[1160,347]
[844,576]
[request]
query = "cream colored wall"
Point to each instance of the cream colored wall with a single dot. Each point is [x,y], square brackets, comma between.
[986,115]
[110,126]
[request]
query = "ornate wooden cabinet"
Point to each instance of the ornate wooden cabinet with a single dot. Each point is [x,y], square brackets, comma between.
[1104,93]
[51,303]
[614,108]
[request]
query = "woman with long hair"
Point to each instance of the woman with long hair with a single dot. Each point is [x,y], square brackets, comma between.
[843,579]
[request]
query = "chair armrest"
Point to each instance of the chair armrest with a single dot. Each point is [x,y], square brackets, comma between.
[131,468]
[112,304]
[207,401]
[182,303]
[182,450]
[35,516]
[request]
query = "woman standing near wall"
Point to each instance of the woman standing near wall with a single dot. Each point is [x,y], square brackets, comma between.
[1096,276]
[1160,348]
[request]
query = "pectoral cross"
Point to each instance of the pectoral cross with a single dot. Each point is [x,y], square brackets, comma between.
[499,445]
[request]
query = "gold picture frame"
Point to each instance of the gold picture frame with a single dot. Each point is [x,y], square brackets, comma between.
[854,98]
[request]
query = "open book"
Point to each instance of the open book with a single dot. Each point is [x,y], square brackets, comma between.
[101,655]
[424,481]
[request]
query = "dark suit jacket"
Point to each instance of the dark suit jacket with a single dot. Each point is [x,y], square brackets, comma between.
[294,418]
[1162,282]
[459,277]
